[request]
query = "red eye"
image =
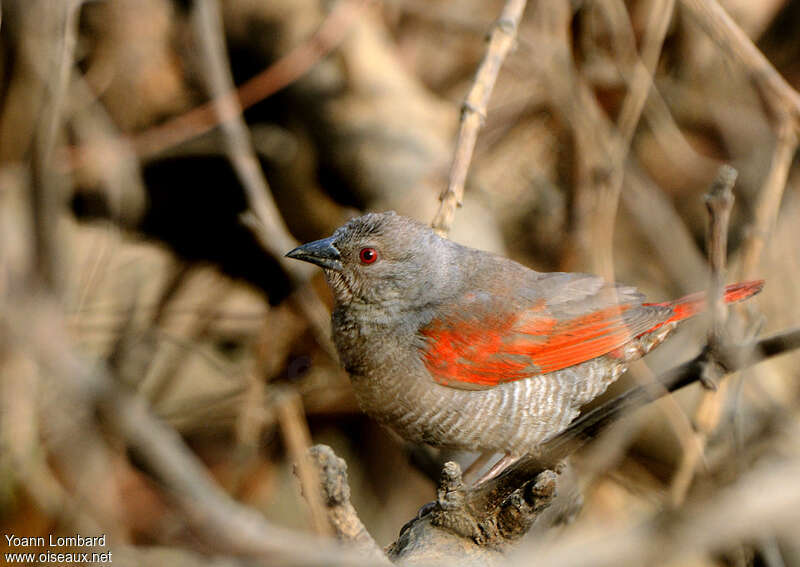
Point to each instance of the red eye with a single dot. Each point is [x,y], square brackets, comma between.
[368,255]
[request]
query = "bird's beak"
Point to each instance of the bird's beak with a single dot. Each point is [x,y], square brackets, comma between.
[320,252]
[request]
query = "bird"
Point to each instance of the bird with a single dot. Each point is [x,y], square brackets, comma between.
[464,349]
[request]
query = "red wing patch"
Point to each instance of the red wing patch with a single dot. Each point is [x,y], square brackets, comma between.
[484,353]
[470,351]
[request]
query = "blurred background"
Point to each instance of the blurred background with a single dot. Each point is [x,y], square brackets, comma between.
[123,222]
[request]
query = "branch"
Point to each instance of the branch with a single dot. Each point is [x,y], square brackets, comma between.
[263,219]
[271,231]
[779,94]
[719,202]
[473,112]
[283,72]
[769,200]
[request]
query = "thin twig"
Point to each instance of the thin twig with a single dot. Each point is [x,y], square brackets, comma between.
[769,200]
[272,233]
[263,218]
[473,113]
[297,439]
[49,198]
[719,202]
[640,83]
[779,94]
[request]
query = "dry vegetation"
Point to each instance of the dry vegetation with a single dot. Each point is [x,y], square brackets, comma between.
[164,370]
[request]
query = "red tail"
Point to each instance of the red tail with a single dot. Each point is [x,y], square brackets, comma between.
[695,303]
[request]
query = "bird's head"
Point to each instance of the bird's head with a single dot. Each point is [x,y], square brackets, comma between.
[381,258]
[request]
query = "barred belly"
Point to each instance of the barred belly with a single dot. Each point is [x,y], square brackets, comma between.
[514,417]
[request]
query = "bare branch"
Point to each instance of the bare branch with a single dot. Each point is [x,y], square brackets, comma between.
[263,219]
[769,200]
[272,231]
[473,114]
[333,30]
[719,202]
[734,42]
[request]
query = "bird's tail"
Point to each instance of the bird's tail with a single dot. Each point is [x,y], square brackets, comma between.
[695,303]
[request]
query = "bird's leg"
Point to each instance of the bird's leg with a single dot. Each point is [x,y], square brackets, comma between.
[476,465]
[502,464]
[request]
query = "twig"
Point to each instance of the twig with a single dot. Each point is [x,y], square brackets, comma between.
[590,424]
[769,201]
[640,84]
[296,437]
[779,94]
[48,196]
[342,517]
[263,218]
[473,114]
[333,30]
[272,233]
[719,202]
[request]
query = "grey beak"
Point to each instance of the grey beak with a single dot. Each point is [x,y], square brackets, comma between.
[320,252]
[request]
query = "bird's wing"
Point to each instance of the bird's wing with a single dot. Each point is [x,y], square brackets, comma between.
[482,339]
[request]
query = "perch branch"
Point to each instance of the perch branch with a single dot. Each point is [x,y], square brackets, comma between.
[473,112]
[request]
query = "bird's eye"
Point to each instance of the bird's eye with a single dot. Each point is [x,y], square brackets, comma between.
[368,255]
